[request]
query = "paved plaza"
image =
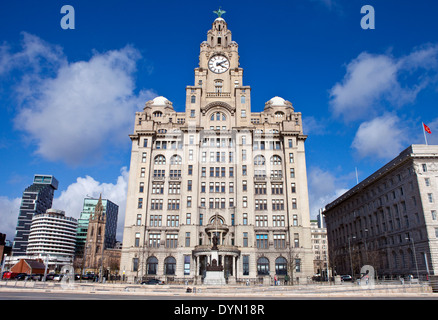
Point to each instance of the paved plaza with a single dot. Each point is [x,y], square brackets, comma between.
[318,291]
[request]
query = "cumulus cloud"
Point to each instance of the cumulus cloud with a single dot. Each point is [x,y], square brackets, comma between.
[71,199]
[9,209]
[314,126]
[383,137]
[324,187]
[74,111]
[373,80]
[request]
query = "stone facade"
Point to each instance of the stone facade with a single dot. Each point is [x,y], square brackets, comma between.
[217,169]
[389,220]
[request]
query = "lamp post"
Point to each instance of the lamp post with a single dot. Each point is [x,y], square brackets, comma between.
[415,256]
[366,248]
[349,249]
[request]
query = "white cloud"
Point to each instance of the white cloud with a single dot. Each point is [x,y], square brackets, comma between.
[71,199]
[382,137]
[371,81]
[314,126]
[9,209]
[75,111]
[324,187]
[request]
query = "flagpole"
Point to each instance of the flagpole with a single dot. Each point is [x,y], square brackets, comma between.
[424,133]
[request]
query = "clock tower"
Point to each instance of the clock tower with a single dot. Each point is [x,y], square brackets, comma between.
[219,79]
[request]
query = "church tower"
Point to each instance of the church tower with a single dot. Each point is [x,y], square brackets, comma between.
[217,171]
[95,243]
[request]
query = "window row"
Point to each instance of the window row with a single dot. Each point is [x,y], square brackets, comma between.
[281,265]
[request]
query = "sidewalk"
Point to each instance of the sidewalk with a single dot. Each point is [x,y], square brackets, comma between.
[227,292]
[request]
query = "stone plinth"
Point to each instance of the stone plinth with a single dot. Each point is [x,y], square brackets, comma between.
[215,273]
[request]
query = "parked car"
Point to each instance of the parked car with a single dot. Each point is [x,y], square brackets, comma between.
[50,276]
[88,276]
[36,277]
[57,277]
[346,277]
[152,281]
[21,276]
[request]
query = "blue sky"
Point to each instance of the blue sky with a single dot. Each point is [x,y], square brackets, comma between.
[68,97]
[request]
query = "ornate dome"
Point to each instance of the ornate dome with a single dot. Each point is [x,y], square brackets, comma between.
[159,102]
[278,102]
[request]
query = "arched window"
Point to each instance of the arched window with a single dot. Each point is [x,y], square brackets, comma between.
[160,159]
[259,160]
[275,160]
[219,220]
[280,266]
[176,159]
[279,114]
[169,266]
[263,266]
[152,264]
[218,116]
[157,114]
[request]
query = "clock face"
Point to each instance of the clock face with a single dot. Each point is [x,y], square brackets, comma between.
[218,64]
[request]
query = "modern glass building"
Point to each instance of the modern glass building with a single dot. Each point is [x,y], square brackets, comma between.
[37,198]
[111,210]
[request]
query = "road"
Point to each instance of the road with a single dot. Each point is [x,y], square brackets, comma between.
[38,295]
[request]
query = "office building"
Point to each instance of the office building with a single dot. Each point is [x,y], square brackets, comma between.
[37,198]
[218,171]
[389,220]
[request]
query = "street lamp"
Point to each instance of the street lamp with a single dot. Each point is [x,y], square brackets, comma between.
[415,256]
[351,260]
[366,247]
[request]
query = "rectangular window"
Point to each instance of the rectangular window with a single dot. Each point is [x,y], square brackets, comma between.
[171,240]
[262,241]
[186,265]
[245,239]
[189,202]
[137,239]
[187,242]
[245,265]
[245,219]
[154,240]
[279,241]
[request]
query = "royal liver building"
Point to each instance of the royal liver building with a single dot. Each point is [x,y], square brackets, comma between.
[218,169]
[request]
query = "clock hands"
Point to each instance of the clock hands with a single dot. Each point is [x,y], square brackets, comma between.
[220,63]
